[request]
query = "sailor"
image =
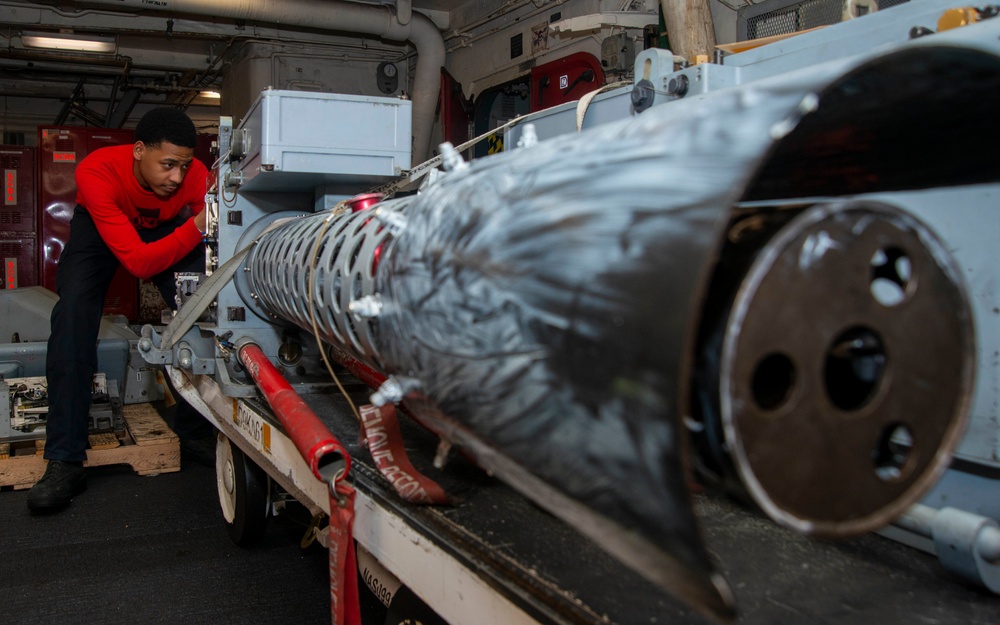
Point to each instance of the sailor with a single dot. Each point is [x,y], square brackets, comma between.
[140,206]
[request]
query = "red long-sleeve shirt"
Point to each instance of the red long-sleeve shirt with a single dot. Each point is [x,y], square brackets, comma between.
[109,191]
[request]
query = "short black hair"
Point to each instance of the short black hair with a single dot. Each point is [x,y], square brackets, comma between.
[166,124]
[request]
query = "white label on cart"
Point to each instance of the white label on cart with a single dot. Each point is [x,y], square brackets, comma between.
[254,427]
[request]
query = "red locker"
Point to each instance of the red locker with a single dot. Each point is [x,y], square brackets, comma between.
[20,259]
[17,213]
[18,232]
[60,149]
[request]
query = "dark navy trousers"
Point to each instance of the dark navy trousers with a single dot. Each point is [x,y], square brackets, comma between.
[83,276]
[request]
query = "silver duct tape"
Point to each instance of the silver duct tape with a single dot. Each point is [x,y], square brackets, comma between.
[546,300]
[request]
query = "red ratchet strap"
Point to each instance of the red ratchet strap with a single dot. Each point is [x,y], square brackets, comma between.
[380,430]
[330,463]
[345,603]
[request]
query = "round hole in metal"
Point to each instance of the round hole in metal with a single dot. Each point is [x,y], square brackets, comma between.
[893,451]
[855,364]
[891,276]
[773,381]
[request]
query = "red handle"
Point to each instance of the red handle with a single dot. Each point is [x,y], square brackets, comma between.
[324,454]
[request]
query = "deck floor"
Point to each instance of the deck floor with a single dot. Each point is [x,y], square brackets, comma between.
[154,550]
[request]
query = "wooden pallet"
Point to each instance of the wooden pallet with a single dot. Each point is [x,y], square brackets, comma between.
[147,445]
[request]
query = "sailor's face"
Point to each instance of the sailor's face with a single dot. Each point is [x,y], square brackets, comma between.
[161,168]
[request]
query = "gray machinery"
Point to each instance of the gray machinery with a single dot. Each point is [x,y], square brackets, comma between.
[24,321]
[780,278]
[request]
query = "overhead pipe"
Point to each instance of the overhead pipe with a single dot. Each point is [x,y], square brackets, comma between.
[78,59]
[404,11]
[344,17]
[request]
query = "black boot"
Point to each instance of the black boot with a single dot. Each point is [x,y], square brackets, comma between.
[61,482]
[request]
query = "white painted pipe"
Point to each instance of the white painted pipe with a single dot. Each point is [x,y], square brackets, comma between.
[344,17]
[967,544]
[404,11]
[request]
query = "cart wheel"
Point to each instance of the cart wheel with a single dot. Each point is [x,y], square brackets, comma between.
[244,493]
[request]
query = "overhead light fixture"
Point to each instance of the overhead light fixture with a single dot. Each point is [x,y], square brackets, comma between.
[73,42]
[211,95]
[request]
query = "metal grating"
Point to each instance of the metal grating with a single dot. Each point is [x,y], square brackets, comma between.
[802,16]
[10,218]
[10,248]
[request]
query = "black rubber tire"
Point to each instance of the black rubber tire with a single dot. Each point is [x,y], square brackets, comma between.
[251,501]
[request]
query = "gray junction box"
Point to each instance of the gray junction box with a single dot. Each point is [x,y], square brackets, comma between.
[294,140]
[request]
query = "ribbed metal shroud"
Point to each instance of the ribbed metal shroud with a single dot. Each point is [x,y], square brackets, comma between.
[345,260]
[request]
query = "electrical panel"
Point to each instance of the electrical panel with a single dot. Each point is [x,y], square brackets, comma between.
[617,53]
